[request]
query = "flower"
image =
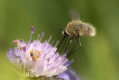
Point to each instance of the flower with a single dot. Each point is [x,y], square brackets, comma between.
[68,75]
[36,58]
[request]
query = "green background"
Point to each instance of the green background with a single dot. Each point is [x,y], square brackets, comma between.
[98,59]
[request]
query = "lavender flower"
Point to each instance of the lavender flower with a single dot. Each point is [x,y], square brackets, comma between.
[68,75]
[37,59]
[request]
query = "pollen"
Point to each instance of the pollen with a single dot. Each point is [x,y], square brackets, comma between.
[35,54]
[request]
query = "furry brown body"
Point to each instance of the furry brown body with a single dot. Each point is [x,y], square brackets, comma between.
[77,27]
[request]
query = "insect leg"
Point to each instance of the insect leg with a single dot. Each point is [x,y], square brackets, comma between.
[79,41]
[73,43]
[64,43]
[61,43]
[73,46]
[72,53]
[68,45]
[73,50]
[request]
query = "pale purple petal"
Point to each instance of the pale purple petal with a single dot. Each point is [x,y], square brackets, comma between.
[68,75]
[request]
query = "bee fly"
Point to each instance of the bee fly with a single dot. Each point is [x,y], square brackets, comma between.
[75,29]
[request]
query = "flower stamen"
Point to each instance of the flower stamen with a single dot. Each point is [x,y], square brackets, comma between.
[35,54]
[19,43]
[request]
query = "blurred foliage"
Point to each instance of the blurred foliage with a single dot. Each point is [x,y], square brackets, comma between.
[98,59]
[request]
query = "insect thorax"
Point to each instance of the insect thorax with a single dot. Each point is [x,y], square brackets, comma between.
[73,28]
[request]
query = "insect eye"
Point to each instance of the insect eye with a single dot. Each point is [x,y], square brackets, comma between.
[64,33]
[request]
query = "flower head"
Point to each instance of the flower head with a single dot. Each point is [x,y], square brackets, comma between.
[37,58]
